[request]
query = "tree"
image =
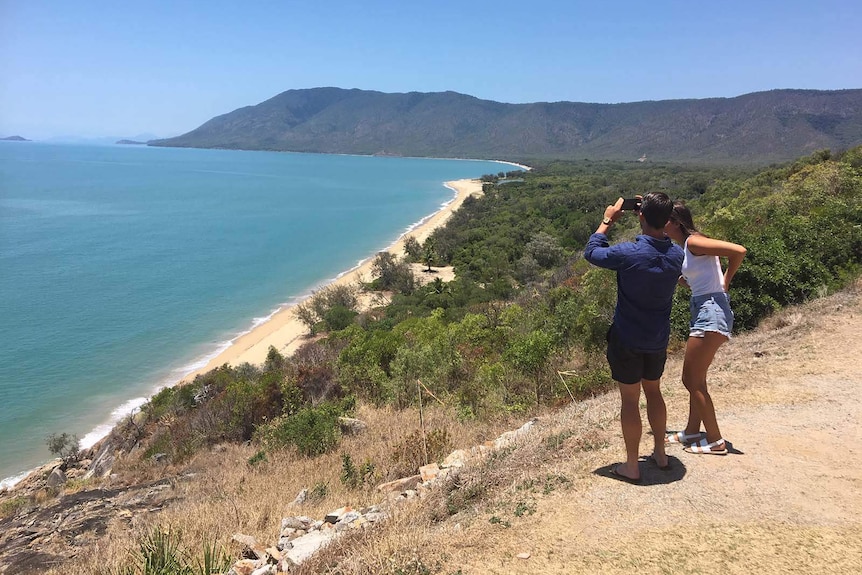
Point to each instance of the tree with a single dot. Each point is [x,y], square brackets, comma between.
[392,274]
[64,446]
[429,254]
[305,314]
[530,354]
[545,249]
[412,248]
[319,307]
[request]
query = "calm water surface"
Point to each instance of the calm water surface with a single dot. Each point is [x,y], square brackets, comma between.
[122,267]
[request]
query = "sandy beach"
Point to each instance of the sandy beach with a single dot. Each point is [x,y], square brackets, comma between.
[286,333]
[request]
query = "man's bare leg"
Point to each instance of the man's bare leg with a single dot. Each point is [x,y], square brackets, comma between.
[630,418]
[657,416]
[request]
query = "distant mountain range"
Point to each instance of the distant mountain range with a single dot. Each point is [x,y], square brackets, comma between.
[761,127]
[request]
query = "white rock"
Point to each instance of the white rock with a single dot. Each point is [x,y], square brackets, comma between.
[305,546]
[429,472]
[456,459]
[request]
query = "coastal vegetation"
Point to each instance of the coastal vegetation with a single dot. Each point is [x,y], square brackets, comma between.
[517,333]
[524,307]
[753,129]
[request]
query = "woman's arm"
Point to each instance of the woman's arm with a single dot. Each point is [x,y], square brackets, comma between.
[701,245]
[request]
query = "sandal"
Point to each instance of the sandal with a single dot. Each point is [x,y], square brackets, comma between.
[704,447]
[617,475]
[655,461]
[683,437]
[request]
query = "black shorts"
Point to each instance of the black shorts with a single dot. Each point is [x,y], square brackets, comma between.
[629,366]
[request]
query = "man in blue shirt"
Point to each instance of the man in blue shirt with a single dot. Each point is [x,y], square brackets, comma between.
[647,273]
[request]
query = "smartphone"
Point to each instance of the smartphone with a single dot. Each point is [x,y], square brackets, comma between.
[631,204]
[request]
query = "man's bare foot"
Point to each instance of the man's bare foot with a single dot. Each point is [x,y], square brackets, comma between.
[661,461]
[627,472]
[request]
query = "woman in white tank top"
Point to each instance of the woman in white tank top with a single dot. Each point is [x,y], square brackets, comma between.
[711,324]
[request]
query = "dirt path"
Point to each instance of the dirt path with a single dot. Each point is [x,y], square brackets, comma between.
[788,499]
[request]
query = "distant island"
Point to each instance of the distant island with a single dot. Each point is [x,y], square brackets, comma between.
[14,139]
[131,142]
[758,128]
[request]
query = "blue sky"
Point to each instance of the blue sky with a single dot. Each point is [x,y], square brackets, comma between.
[98,68]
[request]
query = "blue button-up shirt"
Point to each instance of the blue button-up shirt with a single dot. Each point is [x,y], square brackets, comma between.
[647,271]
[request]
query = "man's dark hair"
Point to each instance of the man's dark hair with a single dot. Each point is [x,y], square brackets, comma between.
[656,208]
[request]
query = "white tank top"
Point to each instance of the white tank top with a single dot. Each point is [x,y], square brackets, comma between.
[703,273]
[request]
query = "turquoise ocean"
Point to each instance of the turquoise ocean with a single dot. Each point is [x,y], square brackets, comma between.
[123,268]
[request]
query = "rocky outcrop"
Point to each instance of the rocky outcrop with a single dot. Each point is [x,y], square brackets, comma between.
[36,536]
[301,536]
[40,537]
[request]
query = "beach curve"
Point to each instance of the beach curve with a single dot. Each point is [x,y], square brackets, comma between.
[286,333]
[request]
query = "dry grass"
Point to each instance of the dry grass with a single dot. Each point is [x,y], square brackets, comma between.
[219,493]
[489,497]
[543,495]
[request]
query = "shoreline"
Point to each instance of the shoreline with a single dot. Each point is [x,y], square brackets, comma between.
[283,331]
[280,329]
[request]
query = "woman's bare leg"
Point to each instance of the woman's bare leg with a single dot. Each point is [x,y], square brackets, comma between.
[699,353]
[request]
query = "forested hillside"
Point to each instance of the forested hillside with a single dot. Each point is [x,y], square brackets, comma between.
[756,128]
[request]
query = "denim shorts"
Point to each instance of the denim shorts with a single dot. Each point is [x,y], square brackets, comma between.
[710,312]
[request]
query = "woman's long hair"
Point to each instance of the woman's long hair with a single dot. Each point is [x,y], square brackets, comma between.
[682,215]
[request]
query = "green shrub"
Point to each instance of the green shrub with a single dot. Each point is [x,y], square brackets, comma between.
[172,400]
[353,477]
[587,381]
[312,430]
[160,551]
[258,458]
[11,507]
[319,491]
[339,317]
[596,301]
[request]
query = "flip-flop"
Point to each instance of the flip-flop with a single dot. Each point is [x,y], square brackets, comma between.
[655,462]
[617,475]
[683,437]
[704,447]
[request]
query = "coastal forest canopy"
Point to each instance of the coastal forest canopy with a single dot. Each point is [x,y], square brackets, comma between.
[524,305]
[753,129]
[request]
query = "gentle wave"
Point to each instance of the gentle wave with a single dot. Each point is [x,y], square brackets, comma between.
[133,405]
[101,431]
[174,196]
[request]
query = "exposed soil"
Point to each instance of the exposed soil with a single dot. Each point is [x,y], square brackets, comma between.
[787,499]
